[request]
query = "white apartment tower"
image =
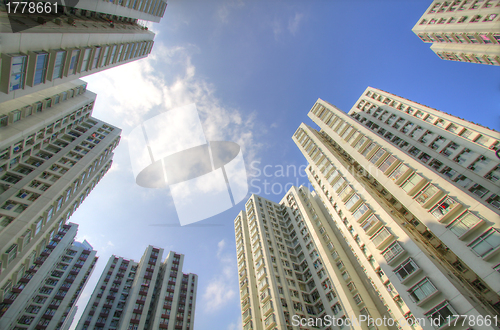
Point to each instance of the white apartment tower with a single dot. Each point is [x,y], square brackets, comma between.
[44,50]
[148,294]
[462,30]
[47,291]
[297,272]
[52,154]
[414,193]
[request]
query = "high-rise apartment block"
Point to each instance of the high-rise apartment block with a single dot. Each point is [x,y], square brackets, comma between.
[43,295]
[52,154]
[44,50]
[414,194]
[148,294]
[295,273]
[462,30]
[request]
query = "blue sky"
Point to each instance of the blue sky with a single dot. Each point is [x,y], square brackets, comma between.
[254,69]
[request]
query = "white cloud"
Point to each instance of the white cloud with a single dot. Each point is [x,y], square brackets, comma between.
[224,10]
[219,291]
[130,94]
[235,325]
[220,247]
[277,28]
[294,22]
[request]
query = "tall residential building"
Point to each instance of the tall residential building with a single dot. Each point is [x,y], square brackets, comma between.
[46,292]
[414,192]
[52,154]
[296,270]
[462,30]
[45,50]
[147,294]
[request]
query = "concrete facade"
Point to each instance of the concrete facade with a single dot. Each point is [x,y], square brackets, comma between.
[462,30]
[91,37]
[51,157]
[47,291]
[413,191]
[142,295]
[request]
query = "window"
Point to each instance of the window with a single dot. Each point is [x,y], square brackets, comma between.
[387,163]
[422,290]
[58,65]
[407,268]
[75,55]
[443,207]
[362,210]
[394,250]
[96,57]
[40,68]
[486,243]
[464,223]
[105,57]
[426,194]
[441,314]
[112,56]
[119,55]
[85,61]
[16,115]
[414,180]
[398,173]
[17,72]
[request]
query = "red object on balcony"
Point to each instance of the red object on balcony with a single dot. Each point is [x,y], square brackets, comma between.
[148,277]
[16,290]
[99,324]
[150,269]
[143,293]
[178,327]
[91,312]
[138,311]
[114,289]
[73,272]
[140,302]
[165,316]
[40,327]
[47,317]
[86,252]
[169,298]
[134,321]
[175,262]
[107,305]
[86,322]
[163,326]
[103,314]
